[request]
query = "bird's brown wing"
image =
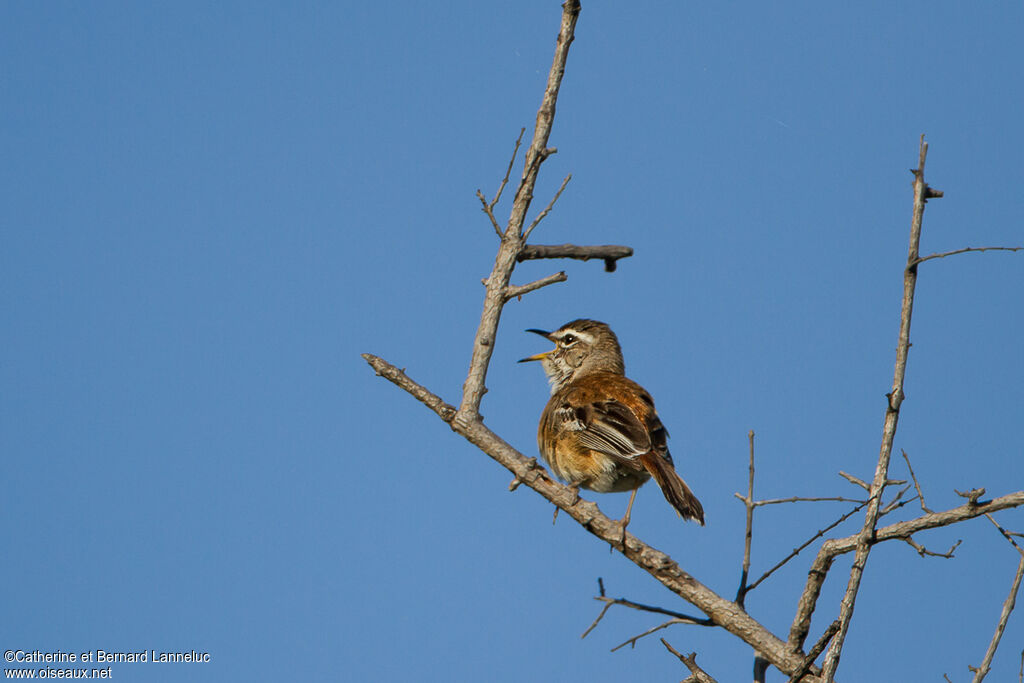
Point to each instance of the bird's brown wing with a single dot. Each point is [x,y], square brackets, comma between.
[611,427]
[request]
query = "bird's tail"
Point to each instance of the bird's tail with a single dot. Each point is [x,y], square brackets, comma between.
[672,485]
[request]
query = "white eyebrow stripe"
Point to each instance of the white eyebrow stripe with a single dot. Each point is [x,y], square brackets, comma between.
[561,334]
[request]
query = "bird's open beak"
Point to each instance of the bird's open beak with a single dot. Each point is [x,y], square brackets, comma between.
[539,356]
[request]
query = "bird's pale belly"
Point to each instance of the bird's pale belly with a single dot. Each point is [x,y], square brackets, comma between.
[594,471]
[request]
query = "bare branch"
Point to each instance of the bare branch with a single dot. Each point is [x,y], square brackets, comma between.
[832,548]
[722,612]
[917,486]
[963,251]
[698,675]
[517,291]
[695,621]
[1006,534]
[801,499]
[854,480]
[609,252]
[547,209]
[972,496]
[796,551]
[922,551]
[511,163]
[512,242]
[608,602]
[815,652]
[391,373]
[489,210]
[600,616]
[632,641]
[1004,617]
[741,592]
[895,503]
[864,542]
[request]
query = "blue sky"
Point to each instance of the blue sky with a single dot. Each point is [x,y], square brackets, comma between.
[209,211]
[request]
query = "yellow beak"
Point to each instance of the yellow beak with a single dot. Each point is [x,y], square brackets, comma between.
[539,356]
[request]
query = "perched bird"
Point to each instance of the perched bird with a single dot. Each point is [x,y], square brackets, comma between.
[599,429]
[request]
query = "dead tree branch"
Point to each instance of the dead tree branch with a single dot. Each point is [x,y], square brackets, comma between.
[796,551]
[513,292]
[818,648]
[1008,605]
[721,611]
[512,240]
[730,615]
[610,253]
[917,486]
[892,412]
[833,548]
[741,592]
[944,254]
[547,209]
[678,617]
[697,675]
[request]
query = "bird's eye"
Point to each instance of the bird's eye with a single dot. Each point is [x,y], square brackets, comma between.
[568,340]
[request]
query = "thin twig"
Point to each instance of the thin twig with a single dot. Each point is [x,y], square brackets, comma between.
[511,241]
[547,209]
[1006,534]
[801,499]
[698,675]
[600,616]
[917,486]
[741,592]
[489,210]
[1004,616]
[796,551]
[608,602]
[892,411]
[610,253]
[632,641]
[895,503]
[511,163]
[514,292]
[833,548]
[815,652]
[854,480]
[922,551]
[963,251]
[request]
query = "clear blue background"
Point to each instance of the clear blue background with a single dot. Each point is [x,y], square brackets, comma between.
[209,210]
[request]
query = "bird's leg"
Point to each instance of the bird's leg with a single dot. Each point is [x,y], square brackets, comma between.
[624,522]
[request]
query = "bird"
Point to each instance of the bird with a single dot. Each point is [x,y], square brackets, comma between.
[599,430]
